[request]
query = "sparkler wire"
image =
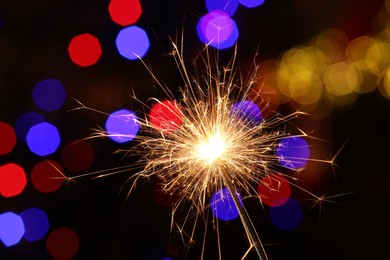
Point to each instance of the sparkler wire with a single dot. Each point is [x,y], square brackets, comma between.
[248,226]
[192,160]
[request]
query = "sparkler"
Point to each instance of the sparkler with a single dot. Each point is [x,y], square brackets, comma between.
[215,139]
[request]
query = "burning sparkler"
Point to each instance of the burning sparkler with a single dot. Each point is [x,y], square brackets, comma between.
[214,137]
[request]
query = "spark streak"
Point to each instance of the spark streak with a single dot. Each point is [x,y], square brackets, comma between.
[214,146]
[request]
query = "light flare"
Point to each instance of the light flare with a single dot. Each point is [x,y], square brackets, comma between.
[212,148]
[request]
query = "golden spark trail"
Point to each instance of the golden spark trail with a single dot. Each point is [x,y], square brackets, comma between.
[246,222]
[212,147]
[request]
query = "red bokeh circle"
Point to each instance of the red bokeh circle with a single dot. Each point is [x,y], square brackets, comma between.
[274,190]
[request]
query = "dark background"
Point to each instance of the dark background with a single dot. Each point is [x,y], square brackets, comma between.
[34,36]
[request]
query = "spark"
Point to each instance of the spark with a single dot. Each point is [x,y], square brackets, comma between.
[212,147]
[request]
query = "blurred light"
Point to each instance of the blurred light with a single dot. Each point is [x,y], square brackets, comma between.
[84,50]
[227,6]
[247,111]
[47,176]
[357,53]
[63,243]
[217,29]
[36,224]
[7,138]
[385,90]
[125,12]
[166,116]
[370,81]
[11,228]
[305,88]
[288,216]
[43,139]
[299,74]
[329,69]
[341,79]
[132,42]
[274,190]
[251,3]
[264,92]
[333,43]
[77,155]
[12,180]
[25,122]
[49,94]
[222,205]
[293,152]
[387,6]
[371,56]
[302,59]
[122,126]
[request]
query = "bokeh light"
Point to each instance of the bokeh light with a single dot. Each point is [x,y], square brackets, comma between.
[341,79]
[385,89]
[78,155]
[331,69]
[25,121]
[288,216]
[122,126]
[12,180]
[49,94]
[299,74]
[247,111]
[332,42]
[125,12]
[358,53]
[7,138]
[217,29]
[43,139]
[274,190]
[222,205]
[11,228]
[370,56]
[84,49]
[63,243]
[36,224]
[47,176]
[165,116]
[227,6]
[378,53]
[264,92]
[251,3]
[328,68]
[132,42]
[293,152]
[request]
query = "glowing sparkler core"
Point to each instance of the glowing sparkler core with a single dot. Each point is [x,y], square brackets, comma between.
[217,144]
[212,149]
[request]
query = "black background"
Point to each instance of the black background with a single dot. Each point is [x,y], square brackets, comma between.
[34,36]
